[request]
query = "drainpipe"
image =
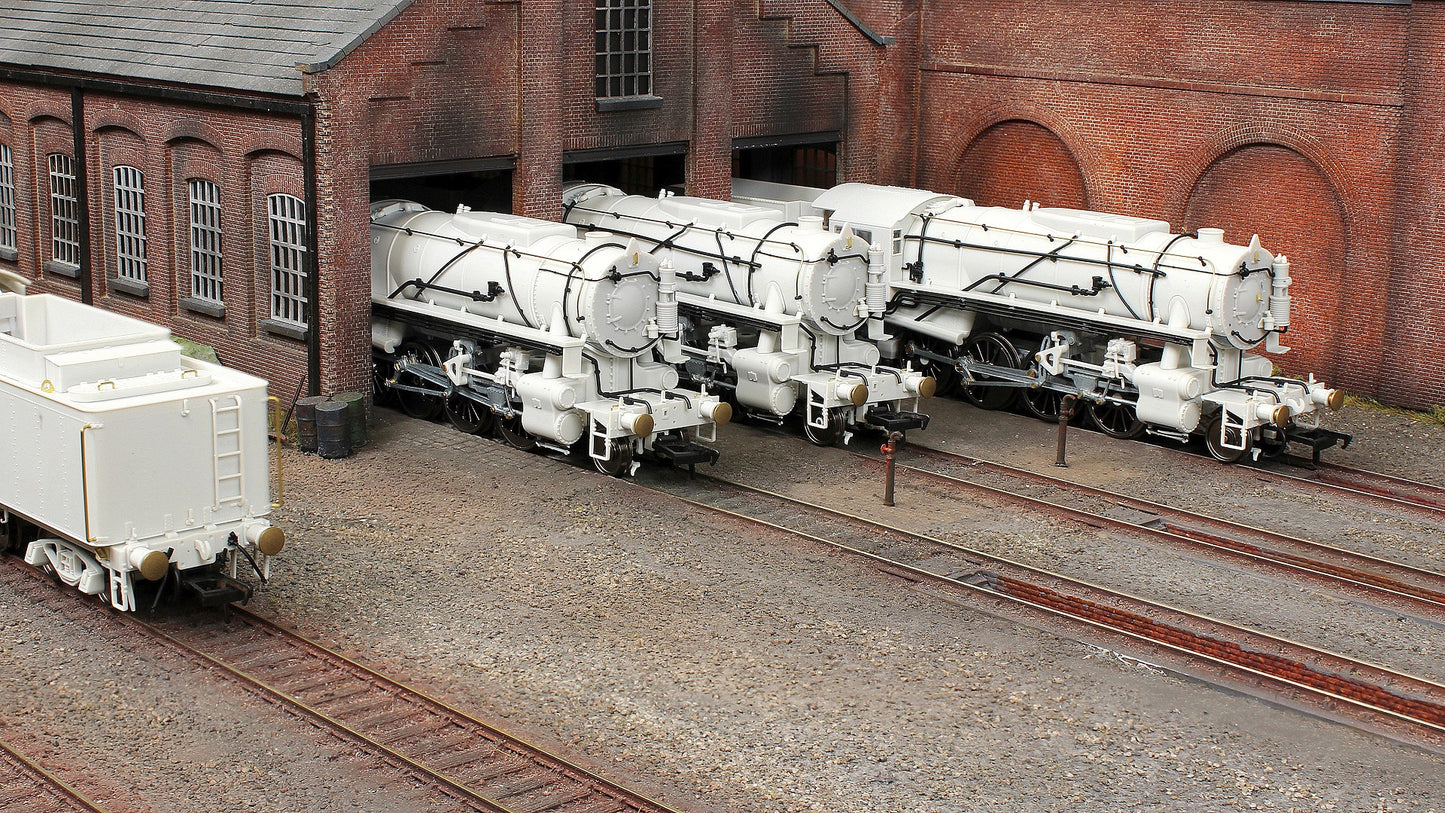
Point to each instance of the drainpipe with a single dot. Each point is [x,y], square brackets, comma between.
[82,193]
[313,265]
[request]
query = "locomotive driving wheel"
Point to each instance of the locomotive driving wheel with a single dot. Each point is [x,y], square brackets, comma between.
[1115,419]
[826,435]
[511,432]
[1215,445]
[468,415]
[995,349]
[1042,403]
[417,404]
[619,462]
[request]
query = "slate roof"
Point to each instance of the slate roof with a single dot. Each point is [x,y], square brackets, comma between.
[250,45]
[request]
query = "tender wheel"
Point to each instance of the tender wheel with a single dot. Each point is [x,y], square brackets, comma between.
[991,348]
[511,432]
[620,462]
[468,415]
[946,375]
[415,404]
[1116,420]
[1042,403]
[1216,448]
[828,435]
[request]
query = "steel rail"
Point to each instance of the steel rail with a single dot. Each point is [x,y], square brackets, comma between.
[37,780]
[1422,589]
[1384,695]
[446,772]
[534,775]
[1425,497]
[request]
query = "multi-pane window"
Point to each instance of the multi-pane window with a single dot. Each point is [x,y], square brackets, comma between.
[64,211]
[8,237]
[130,224]
[624,48]
[288,258]
[206,240]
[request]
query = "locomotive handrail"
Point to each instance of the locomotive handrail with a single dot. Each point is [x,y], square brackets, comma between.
[509,249]
[275,404]
[85,483]
[685,226]
[1155,270]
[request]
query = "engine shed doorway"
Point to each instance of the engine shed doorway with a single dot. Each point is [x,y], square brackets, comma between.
[635,170]
[481,184]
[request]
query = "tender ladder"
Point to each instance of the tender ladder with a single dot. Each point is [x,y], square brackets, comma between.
[227,446]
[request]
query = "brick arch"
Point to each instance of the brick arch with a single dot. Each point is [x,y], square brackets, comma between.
[115,119]
[989,138]
[260,147]
[44,116]
[1296,208]
[186,129]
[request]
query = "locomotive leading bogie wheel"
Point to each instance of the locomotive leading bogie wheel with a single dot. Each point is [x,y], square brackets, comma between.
[1216,447]
[416,404]
[946,375]
[619,462]
[511,432]
[825,435]
[991,348]
[1115,419]
[468,415]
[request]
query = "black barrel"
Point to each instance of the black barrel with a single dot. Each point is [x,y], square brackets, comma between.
[355,416]
[332,440]
[306,422]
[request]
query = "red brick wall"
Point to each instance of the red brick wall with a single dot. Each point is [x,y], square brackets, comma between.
[1415,300]
[1281,118]
[249,155]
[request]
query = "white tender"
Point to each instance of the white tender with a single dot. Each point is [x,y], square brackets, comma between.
[123,458]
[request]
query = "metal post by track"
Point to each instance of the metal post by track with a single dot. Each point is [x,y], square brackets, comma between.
[889,447]
[1066,413]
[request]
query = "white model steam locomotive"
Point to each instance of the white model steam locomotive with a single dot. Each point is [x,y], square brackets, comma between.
[555,339]
[771,308]
[1148,327]
[129,471]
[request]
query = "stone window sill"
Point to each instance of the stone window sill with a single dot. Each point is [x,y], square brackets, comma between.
[204,306]
[288,329]
[620,103]
[127,286]
[63,269]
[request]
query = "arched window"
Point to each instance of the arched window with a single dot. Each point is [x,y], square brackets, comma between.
[287,217]
[64,211]
[130,224]
[8,239]
[205,240]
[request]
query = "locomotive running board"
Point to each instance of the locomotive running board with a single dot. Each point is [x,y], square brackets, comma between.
[449,322]
[1010,307]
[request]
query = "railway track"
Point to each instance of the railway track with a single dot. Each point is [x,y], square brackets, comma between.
[1399,587]
[26,787]
[437,746]
[1370,696]
[1421,498]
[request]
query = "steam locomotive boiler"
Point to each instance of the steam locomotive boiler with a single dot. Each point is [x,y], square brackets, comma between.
[1148,327]
[557,340]
[771,307]
[129,470]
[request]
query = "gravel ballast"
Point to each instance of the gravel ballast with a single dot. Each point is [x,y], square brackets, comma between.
[723,667]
